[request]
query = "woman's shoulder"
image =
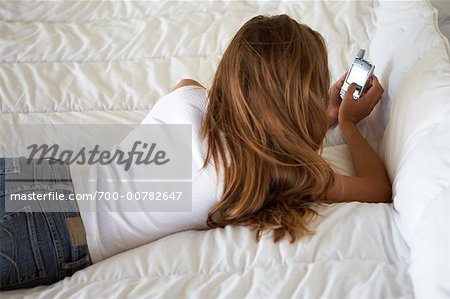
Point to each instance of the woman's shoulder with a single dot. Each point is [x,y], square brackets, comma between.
[187,82]
[184,104]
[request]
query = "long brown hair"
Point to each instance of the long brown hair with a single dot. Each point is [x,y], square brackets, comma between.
[265,123]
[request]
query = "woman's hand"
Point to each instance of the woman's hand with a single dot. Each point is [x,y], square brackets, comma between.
[354,111]
[371,183]
[335,101]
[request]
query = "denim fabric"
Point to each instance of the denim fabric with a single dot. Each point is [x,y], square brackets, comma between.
[36,247]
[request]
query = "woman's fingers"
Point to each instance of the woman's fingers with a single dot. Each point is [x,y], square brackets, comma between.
[374,93]
[355,110]
[340,82]
[342,78]
[350,90]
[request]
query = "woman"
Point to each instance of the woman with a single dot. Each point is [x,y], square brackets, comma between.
[256,140]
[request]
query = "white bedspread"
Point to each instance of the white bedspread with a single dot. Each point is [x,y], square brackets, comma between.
[109,62]
[357,253]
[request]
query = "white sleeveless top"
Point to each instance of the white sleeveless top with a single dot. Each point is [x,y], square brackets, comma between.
[109,233]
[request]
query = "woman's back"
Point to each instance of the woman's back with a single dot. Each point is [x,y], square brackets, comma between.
[109,233]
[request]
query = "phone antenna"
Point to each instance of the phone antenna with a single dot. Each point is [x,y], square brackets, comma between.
[361,53]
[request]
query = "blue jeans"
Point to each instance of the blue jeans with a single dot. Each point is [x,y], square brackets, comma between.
[41,242]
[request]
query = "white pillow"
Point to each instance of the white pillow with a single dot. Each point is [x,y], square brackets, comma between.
[430,250]
[416,145]
[416,151]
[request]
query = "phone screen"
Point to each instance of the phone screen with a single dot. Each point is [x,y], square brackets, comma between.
[357,75]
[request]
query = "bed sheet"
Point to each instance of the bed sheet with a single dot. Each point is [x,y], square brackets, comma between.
[356,253]
[108,62]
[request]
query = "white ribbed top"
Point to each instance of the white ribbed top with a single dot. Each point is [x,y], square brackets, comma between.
[109,233]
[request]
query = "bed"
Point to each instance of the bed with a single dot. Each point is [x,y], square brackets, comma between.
[98,62]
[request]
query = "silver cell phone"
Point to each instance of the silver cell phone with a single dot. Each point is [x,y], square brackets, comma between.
[359,73]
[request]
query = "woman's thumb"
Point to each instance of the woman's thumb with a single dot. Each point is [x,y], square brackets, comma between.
[350,90]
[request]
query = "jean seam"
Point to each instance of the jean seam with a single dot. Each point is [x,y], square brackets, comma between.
[77,263]
[56,242]
[14,255]
[35,245]
[16,268]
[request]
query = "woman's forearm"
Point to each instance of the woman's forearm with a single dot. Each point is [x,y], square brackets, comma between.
[371,183]
[365,160]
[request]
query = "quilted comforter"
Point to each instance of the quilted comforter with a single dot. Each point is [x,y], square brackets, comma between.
[97,62]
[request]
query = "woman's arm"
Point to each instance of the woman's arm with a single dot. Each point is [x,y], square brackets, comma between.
[371,183]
